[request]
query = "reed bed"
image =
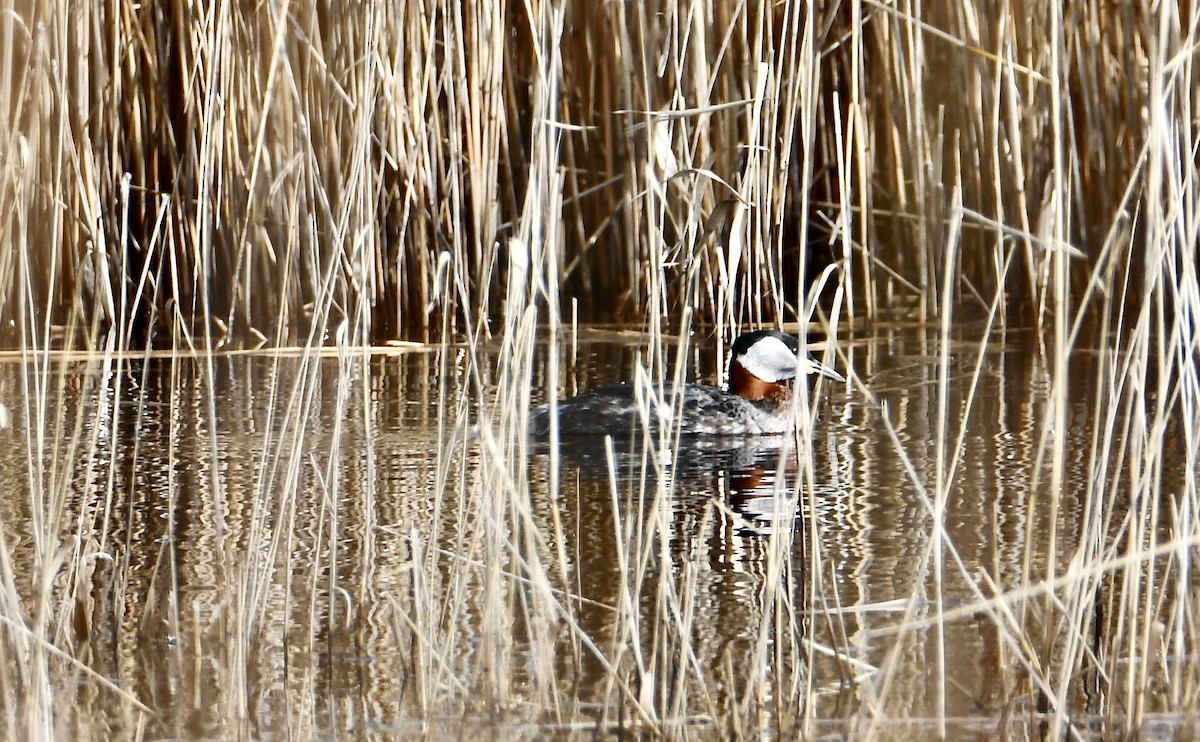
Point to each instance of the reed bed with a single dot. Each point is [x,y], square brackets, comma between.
[179,180]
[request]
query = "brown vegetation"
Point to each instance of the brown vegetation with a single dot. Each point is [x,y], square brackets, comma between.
[190,177]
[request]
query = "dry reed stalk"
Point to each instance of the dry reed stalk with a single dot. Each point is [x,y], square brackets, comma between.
[192,178]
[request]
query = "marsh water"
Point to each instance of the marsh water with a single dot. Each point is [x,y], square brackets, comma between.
[253,528]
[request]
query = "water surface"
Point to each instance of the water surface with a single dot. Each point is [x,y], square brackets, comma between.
[282,546]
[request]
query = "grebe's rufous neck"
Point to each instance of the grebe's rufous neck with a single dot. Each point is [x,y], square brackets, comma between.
[763,366]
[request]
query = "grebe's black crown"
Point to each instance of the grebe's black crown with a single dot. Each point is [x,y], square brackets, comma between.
[743,343]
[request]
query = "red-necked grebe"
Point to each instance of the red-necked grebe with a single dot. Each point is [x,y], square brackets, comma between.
[763,366]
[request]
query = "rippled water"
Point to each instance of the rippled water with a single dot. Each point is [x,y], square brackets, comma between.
[251,544]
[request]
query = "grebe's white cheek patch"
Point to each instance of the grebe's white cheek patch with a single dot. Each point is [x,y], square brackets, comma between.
[770,359]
